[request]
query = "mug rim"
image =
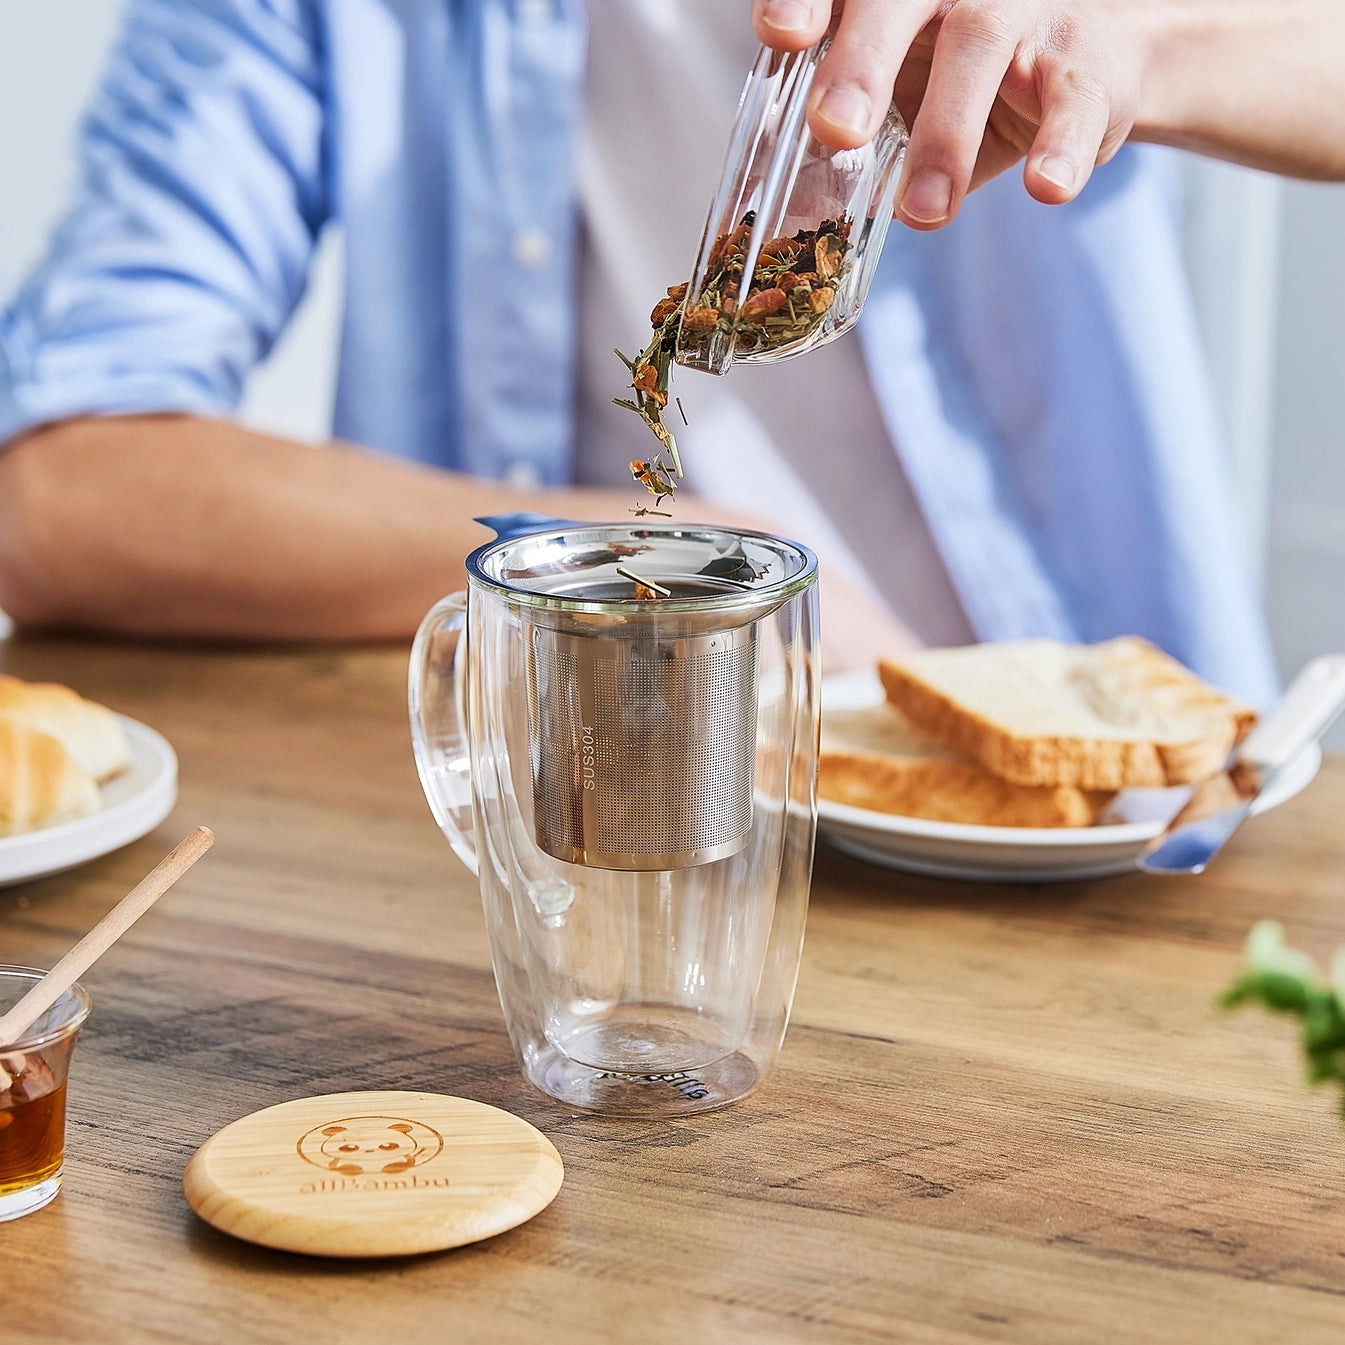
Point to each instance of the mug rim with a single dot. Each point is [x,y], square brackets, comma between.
[772,594]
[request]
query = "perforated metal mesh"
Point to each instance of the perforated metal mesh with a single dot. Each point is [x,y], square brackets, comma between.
[558,779]
[643,748]
[677,741]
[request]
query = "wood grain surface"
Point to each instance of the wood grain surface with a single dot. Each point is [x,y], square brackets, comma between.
[1001,1113]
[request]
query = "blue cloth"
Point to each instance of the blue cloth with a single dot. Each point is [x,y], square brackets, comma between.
[1038,368]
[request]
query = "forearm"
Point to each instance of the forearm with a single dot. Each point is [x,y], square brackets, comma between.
[1261,82]
[174,526]
[170,525]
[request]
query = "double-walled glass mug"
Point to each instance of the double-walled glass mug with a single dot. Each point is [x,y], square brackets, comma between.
[616,727]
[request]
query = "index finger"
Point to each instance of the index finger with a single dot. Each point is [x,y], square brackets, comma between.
[790,25]
[854,83]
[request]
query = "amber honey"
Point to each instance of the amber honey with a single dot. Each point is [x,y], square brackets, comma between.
[32,1138]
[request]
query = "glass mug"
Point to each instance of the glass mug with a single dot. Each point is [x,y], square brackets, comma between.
[616,728]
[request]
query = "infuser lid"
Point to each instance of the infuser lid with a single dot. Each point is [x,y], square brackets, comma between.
[638,566]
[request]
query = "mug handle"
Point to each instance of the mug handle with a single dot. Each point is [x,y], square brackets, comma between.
[437,698]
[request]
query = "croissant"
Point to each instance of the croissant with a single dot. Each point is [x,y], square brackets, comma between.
[41,784]
[91,733]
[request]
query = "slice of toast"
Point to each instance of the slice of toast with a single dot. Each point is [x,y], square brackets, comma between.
[873,758]
[1116,715]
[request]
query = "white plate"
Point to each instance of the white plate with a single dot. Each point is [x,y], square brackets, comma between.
[134,803]
[1011,854]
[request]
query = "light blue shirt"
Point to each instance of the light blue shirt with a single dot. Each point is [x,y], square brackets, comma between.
[1038,368]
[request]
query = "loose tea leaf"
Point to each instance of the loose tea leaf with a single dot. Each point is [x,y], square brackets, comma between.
[1287,981]
[793,288]
[650,373]
[656,478]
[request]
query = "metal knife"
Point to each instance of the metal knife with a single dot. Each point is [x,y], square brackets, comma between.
[1218,805]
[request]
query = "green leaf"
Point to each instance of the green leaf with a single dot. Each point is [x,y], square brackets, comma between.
[1323,1027]
[1287,981]
[1329,1065]
[1276,990]
[1266,951]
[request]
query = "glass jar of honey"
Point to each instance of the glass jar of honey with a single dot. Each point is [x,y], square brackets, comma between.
[33,1074]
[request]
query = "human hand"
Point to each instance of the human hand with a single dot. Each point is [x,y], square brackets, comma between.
[981,83]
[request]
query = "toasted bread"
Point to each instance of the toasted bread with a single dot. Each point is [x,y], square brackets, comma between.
[1116,715]
[873,758]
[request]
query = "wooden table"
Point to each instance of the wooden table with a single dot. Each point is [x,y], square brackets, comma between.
[1001,1114]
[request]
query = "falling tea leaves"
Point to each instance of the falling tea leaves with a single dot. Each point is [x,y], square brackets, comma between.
[793,288]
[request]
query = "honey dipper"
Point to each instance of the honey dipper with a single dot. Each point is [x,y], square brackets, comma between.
[95,943]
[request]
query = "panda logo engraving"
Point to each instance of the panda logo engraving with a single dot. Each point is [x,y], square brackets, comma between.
[357,1145]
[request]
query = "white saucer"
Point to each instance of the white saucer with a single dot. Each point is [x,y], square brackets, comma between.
[1012,854]
[134,803]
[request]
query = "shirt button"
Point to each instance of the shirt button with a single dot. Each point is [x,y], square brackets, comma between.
[523,475]
[531,248]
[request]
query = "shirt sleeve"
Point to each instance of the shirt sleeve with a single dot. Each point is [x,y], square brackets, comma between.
[203,184]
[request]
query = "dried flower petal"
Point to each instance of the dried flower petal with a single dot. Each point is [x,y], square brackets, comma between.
[654,477]
[763,304]
[663,310]
[828,252]
[700,319]
[819,300]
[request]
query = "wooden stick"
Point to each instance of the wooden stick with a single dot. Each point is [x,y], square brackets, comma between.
[104,934]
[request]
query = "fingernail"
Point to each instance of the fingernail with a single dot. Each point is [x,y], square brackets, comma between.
[846,108]
[789,16]
[1060,172]
[928,196]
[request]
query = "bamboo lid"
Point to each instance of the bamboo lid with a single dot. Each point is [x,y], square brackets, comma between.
[373,1174]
